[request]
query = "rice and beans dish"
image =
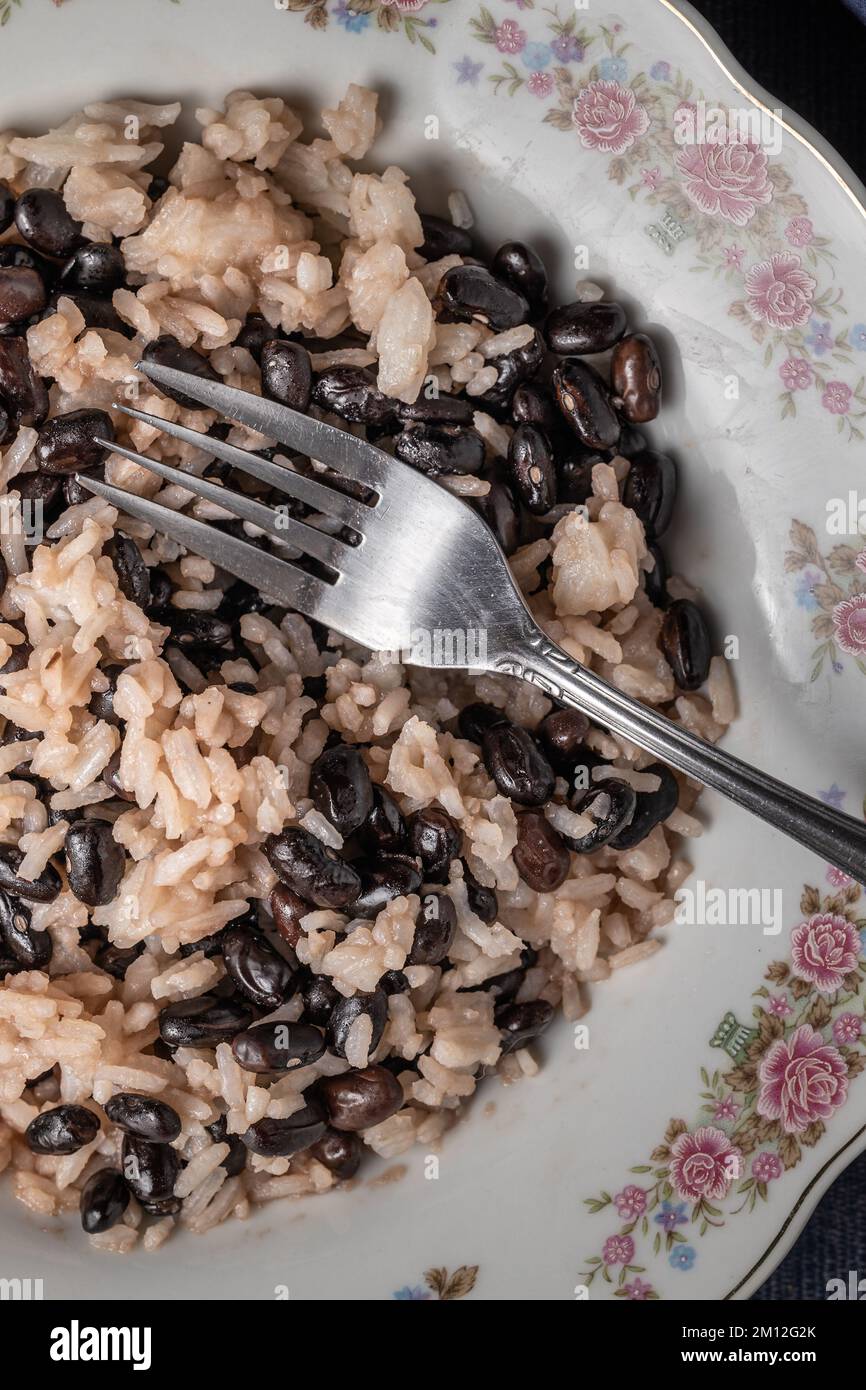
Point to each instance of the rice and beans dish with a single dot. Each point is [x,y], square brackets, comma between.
[269,901]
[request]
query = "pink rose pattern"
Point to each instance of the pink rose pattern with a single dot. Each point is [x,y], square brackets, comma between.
[849,625]
[510,38]
[786,1081]
[704,1164]
[609,117]
[626,113]
[779,292]
[803,1080]
[797,374]
[824,950]
[728,181]
[837,397]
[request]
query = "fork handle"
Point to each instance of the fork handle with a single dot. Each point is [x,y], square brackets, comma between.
[836,837]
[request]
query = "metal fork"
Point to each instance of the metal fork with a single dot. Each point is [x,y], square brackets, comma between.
[423,562]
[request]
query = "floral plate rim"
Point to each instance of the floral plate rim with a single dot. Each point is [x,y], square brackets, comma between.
[854,188]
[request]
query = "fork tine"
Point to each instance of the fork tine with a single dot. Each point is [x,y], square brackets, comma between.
[277,578]
[352,457]
[283,528]
[315,494]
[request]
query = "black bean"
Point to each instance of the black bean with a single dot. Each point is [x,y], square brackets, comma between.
[473,721]
[522,268]
[436,839]
[161,589]
[68,443]
[340,1153]
[104,1199]
[150,1170]
[531,469]
[7,206]
[636,378]
[101,703]
[39,488]
[585,402]
[341,789]
[585,328]
[304,864]
[442,238]
[390,878]
[436,410]
[96,267]
[513,369]
[482,900]
[521,1023]
[116,960]
[144,1116]
[655,581]
[499,509]
[209,946]
[96,311]
[277,1046]
[685,642]
[204,1021]
[650,490]
[469,292]
[75,492]
[22,294]
[574,475]
[384,831]
[8,966]
[346,1011]
[352,393]
[165,1206]
[360,1099]
[531,404]
[394,982]
[255,333]
[282,1138]
[260,973]
[94,862]
[166,351]
[63,1130]
[43,221]
[193,629]
[19,657]
[562,733]
[235,1160]
[320,998]
[31,949]
[132,574]
[517,765]
[43,889]
[287,375]
[287,909]
[435,926]
[540,855]
[503,987]
[21,388]
[651,809]
[438,449]
[111,778]
[610,804]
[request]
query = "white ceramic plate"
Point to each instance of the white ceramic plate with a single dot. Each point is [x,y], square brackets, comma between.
[615,1171]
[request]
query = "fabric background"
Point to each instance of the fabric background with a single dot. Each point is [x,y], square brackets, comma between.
[812,56]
